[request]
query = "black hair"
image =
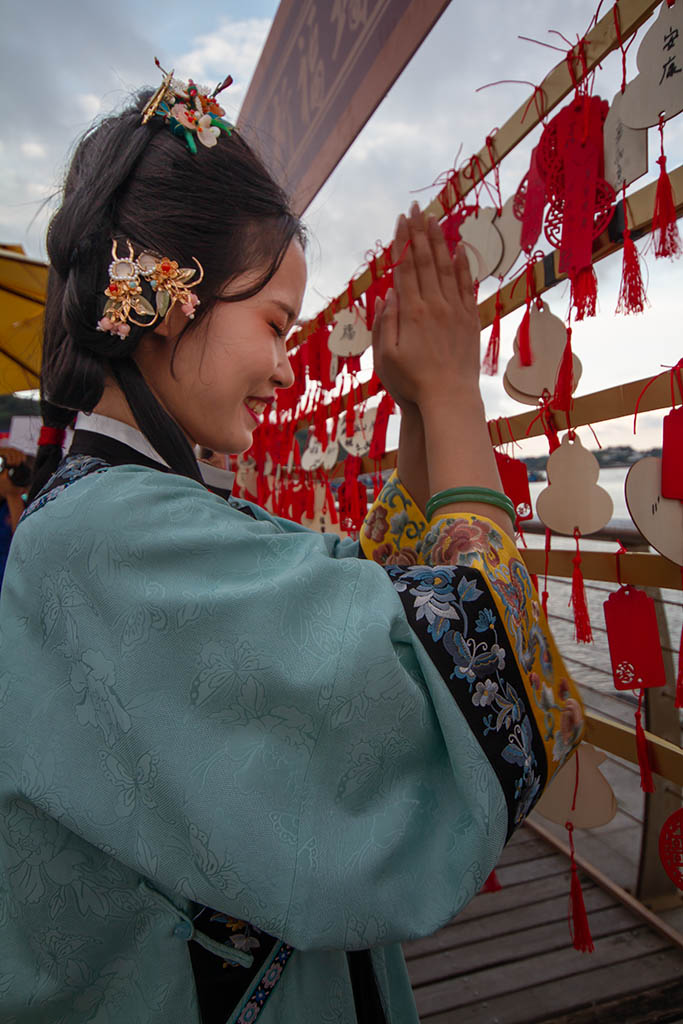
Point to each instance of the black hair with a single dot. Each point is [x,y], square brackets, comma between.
[139,183]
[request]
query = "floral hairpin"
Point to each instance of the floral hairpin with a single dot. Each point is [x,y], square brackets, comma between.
[168,281]
[189,109]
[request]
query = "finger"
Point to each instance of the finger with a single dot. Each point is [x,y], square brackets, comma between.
[379,310]
[405,276]
[443,262]
[388,328]
[425,268]
[464,278]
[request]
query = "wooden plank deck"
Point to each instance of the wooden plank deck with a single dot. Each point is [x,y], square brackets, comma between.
[508,958]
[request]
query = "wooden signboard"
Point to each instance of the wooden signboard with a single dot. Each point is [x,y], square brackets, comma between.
[324,68]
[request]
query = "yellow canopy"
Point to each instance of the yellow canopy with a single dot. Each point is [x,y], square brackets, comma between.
[23,283]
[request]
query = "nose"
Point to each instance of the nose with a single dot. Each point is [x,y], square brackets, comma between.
[284,375]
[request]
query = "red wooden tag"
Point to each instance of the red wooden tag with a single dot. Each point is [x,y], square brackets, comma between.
[581,147]
[633,638]
[671,847]
[533,205]
[515,481]
[672,455]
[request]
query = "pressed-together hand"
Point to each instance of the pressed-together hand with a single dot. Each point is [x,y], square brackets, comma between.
[426,335]
[426,348]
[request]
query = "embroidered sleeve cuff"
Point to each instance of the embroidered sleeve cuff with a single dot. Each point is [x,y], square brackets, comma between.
[393,529]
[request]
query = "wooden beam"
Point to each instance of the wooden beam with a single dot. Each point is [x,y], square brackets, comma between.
[666,759]
[640,208]
[637,568]
[556,85]
[609,404]
[620,400]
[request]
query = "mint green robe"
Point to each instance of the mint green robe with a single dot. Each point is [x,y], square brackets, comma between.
[200,707]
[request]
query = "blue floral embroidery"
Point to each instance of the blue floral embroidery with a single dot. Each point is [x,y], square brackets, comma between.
[263,990]
[70,469]
[459,624]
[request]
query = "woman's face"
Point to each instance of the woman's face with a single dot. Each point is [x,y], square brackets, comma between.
[227,369]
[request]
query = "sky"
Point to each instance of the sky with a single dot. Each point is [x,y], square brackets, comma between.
[63,65]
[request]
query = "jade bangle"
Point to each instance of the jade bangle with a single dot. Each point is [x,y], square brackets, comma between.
[480,495]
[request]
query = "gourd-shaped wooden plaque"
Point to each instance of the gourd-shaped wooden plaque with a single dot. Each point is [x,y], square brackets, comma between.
[658,87]
[312,455]
[509,228]
[625,148]
[349,336]
[483,244]
[660,520]
[359,442]
[547,339]
[573,500]
[596,803]
[331,455]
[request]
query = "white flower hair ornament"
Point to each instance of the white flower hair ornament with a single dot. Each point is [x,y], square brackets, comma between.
[189,110]
[169,282]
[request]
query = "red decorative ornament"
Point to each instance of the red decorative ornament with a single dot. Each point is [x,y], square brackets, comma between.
[529,203]
[672,455]
[582,940]
[632,297]
[582,623]
[636,656]
[671,847]
[564,386]
[664,226]
[515,480]
[492,883]
[490,363]
[571,163]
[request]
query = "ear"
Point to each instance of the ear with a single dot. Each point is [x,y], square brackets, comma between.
[172,324]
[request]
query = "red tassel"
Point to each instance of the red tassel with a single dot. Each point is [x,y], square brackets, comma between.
[646,783]
[490,363]
[564,385]
[544,595]
[582,622]
[492,883]
[678,703]
[632,297]
[585,292]
[664,227]
[578,918]
[379,434]
[523,339]
[350,412]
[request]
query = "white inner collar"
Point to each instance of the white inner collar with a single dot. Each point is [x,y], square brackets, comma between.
[119,431]
[97,424]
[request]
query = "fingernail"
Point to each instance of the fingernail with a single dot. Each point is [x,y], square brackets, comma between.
[414,208]
[390,297]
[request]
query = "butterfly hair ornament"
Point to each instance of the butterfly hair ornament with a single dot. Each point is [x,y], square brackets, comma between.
[189,110]
[169,283]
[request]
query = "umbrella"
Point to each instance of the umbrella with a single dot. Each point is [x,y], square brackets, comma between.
[23,283]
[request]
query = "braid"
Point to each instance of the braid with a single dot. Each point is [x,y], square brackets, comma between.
[49,455]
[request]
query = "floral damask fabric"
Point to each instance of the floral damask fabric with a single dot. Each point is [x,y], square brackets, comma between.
[203,708]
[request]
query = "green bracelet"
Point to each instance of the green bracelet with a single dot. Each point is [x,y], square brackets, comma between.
[483,495]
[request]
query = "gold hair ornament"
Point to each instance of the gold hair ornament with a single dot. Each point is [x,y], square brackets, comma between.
[189,110]
[170,283]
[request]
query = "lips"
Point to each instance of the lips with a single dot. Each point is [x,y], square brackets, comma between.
[257,407]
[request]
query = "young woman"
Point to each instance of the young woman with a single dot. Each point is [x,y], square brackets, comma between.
[241,761]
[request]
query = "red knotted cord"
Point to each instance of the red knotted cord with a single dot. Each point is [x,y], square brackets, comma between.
[676,369]
[579,929]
